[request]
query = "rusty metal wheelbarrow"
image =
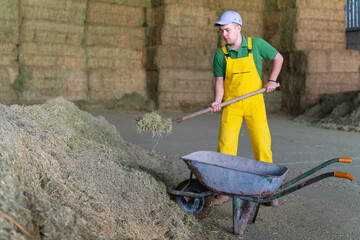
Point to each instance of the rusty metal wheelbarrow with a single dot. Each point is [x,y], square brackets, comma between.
[248,181]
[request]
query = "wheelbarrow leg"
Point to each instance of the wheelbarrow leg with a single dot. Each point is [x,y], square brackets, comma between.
[241,214]
[254,213]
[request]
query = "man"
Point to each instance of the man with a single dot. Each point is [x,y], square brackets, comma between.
[237,70]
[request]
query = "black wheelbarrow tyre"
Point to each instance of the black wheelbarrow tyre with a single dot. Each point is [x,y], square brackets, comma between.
[205,204]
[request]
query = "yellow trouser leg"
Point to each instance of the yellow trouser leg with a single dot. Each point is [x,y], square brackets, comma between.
[260,136]
[231,121]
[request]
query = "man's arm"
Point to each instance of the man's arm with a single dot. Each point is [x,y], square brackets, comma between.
[218,94]
[277,64]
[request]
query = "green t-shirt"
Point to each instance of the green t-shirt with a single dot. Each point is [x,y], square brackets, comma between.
[261,50]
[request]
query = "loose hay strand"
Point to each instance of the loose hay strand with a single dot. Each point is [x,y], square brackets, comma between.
[15,222]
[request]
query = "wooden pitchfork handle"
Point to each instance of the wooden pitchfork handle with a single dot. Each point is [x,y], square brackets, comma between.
[223,104]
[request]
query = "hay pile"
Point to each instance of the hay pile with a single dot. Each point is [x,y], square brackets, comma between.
[67,175]
[339,111]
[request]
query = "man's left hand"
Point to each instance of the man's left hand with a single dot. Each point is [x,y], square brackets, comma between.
[270,86]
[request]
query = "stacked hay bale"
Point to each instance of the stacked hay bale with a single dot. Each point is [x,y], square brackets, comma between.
[182,43]
[9,36]
[115,40]
[321,33]
[271,20]
[331,71]
[67,175]
[271,33]
[320,25]
[292,78]
[52,58]
[313,35]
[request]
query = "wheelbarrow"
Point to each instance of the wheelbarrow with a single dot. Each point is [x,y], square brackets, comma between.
[249,182]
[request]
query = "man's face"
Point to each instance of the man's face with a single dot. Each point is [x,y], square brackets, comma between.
[230,33]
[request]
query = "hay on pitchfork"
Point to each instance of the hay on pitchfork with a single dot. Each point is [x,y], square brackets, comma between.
[154,123]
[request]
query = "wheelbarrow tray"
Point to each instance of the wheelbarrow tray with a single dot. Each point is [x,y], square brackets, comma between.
[227,174]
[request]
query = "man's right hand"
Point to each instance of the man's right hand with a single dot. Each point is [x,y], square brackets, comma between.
[215,107]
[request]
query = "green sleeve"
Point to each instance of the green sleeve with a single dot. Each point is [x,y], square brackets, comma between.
[219,64]
[264,49]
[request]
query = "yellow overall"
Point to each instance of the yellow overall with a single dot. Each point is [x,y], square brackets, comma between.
[241,77]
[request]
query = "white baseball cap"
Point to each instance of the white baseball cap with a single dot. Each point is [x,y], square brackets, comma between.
[229,17]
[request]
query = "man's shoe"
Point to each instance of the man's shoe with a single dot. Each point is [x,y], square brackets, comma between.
[273,203]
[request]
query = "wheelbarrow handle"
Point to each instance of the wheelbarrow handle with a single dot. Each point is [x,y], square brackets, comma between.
[345,160]
[344,175]
[315,169]
[223,104]
[306,183]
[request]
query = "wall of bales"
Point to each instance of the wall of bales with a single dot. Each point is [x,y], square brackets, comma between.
[9,38]
[99,50]
[52,59]
[80,49]
[182,44]
[115,41]
[312,38]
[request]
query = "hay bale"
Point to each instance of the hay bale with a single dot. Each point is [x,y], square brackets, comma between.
[115,36]
[47,32]
[183,36]
[166,57]
[9,10]
[41,37]
[8,75]
[130,3]
[183,85]
[48,61]
[321,13]
[334,61]
[41,83]
[73,16]
[127,55]
[9,31]
[242,6]
[79,179]
[326,4]
[185,80]
[9,55]
[185,2]
[321,25]
[114,14]
[134,101]
[112,84]
[185,15]
[54,4]
[180,87]
[52,49]
[51,26]
[99,57]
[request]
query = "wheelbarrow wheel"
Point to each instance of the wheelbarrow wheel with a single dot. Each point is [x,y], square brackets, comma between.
[200,207]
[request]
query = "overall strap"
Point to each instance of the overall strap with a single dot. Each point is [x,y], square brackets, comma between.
[225,52]
[250,45]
